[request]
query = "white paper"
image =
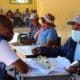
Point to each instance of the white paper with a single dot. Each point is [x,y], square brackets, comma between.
[59,62]
[26,50]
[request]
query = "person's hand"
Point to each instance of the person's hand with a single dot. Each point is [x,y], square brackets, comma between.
[36,51]
[74,68]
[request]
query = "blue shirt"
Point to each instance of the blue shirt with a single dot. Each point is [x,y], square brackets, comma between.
[77,52]
[46,35]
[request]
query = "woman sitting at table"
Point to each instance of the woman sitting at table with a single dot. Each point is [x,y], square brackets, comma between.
[34,26]
[47,35]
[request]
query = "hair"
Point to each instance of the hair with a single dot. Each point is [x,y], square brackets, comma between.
[33,11]
[6,22]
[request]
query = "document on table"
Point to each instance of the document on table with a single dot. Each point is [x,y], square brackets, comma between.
[26,50]
[57,65]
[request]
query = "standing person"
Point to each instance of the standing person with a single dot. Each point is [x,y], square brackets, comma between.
[47,35]
[7,55]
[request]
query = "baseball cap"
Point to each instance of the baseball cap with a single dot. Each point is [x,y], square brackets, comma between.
[34,16]
[76,19]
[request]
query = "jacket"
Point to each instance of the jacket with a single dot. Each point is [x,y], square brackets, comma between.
[67,50]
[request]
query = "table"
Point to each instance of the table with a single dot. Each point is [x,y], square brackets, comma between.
[41,76]
[48,77]
[26,51]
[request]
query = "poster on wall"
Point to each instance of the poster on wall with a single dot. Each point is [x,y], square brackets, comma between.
[20,1]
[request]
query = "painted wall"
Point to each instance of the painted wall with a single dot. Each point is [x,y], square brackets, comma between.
[63,10]
[5,4]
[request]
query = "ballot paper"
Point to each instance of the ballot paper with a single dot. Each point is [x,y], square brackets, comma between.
[56,65]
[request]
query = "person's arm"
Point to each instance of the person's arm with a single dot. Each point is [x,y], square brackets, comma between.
[74,68]
[52,51]
[9,57]
[51,37]
[50,43]
[48,51]
[37,34]
[20,66]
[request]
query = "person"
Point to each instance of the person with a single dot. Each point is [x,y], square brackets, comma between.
[47,35]
[10,15]
[70,49]
[34,25]
[7,55]
[26,15]
[18,18]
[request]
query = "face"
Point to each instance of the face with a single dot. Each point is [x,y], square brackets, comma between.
[76,26]
[7,33]
[75,32]
[34,22]
[44,25]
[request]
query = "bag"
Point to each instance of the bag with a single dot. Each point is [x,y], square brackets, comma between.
[25,39]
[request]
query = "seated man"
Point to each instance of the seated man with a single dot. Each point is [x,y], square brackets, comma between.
[7,55]
[70,49]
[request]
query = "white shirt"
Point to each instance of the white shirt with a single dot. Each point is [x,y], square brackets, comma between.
[7,55]
[77,52]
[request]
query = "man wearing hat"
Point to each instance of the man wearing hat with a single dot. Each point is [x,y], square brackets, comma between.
[70,50]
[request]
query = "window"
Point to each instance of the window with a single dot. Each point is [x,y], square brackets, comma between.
[20,1]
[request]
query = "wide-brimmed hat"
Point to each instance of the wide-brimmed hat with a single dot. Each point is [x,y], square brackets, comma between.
[34,16]
[49,18]
[76,19]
